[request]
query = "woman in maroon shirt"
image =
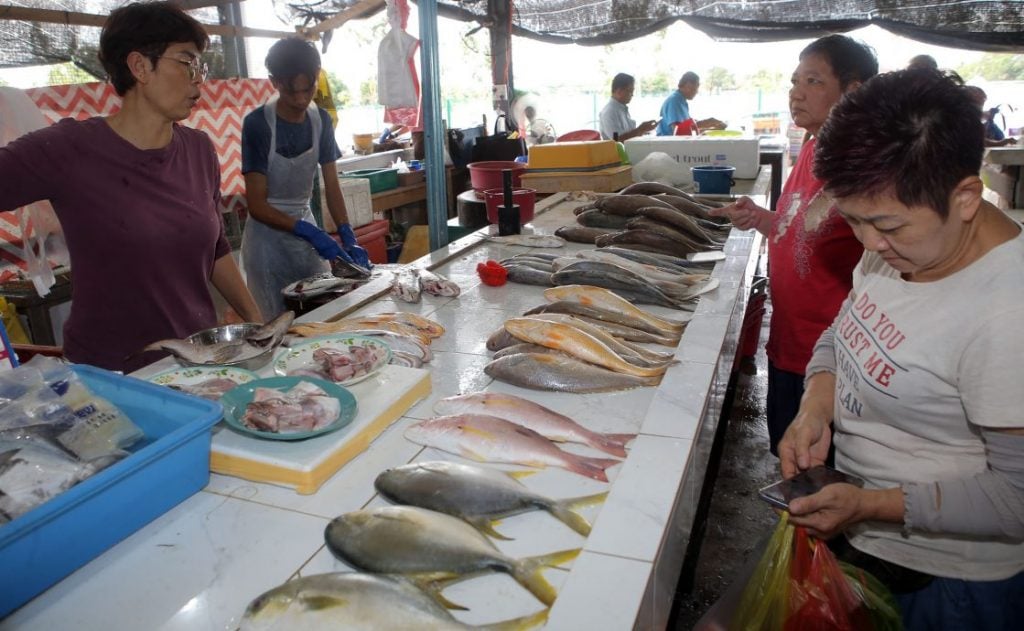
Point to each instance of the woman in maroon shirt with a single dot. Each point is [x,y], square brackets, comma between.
[137,196]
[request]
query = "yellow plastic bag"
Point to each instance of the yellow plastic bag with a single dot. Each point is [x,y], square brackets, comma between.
[324,99]
[763,606]
[15,332]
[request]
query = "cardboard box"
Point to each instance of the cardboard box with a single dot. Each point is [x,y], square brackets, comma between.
[691,151]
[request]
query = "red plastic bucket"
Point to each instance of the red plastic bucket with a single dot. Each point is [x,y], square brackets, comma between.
[525,197]
[485,175]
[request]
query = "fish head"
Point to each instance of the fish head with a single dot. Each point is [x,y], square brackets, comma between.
[269,607]
[283,606]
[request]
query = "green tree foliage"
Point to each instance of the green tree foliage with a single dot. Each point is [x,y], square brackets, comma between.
[994,67]
[718,79]
[766,80]
[68,73]
[656,83]
[368,92]
[342,95]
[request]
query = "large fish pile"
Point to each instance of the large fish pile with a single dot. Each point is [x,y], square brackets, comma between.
[585,339]
[409,335]
[409,283]
[649,217]
[649,282]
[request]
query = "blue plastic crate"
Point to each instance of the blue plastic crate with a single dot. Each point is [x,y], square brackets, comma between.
[54,539]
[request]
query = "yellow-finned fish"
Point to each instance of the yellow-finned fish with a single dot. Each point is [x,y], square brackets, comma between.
[352,600]
[575,342]
[607,299]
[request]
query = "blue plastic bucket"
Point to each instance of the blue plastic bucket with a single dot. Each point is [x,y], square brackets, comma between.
[713,180]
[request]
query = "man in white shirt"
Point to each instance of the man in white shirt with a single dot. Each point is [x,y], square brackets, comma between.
[615,117]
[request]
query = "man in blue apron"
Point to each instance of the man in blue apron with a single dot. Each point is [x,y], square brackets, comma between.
[282,144]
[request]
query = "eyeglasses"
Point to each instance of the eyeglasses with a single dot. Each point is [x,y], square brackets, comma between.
[197,70]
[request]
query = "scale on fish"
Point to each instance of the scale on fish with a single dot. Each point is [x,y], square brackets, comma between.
[530,240]
[477,495]
[431,548]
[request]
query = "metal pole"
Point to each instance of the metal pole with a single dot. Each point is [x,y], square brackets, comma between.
[433,131]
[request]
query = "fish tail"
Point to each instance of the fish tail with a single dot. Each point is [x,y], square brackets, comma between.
[565,511]
[527,572]
[614,444]
[519,624]
[591,467]
[486,526]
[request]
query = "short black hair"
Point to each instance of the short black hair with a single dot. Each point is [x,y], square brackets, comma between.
[850,60]
[622,81]
[293,57]
[689,77]
[914,134]
[147,28]
[923,61]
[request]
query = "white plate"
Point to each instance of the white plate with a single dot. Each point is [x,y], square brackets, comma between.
[314,285]
[192,375]
[301,355]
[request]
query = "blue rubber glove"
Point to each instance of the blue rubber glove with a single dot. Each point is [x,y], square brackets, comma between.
[357,252]
[325,246]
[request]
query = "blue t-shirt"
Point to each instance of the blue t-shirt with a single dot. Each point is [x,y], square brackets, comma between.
[674,110]
[292,140]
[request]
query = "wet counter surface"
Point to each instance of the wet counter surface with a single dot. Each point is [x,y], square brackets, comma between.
[199,565]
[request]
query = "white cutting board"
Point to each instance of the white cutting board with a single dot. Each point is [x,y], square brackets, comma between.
[306,464]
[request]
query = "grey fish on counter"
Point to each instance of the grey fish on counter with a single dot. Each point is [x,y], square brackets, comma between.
[582,234]
[358,602]
[525,275]
[530,240]
[501,339]
[671,232]
[646,240]
[665,261]
[477,495]
[627,204]
[612,301]
[540,419]
[618,279]
[416,541]
[620,348]
[682,222]
[561,373]
[599,219]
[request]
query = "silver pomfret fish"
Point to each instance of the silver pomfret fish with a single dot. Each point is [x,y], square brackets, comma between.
[477,495]
[416,541]
[358,602]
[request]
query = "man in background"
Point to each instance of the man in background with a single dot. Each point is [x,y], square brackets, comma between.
[676,108]
[615,118]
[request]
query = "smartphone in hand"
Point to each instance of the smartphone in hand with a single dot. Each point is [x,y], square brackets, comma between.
[805,483]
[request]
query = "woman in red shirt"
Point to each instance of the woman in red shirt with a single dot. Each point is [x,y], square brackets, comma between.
[811,250]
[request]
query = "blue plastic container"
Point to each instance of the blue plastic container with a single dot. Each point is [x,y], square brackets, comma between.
[713,180]
[54,539]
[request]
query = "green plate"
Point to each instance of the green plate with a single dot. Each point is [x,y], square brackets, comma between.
[237,399]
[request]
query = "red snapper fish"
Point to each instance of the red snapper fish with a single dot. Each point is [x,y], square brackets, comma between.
[555,426]
[491,439]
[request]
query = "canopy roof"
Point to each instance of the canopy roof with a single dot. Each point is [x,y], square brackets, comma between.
[52,31]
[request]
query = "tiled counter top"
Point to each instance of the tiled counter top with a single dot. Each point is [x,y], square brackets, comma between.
[199,565]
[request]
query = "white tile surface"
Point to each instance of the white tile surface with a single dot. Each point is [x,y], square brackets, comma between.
[603,592]
[633,519]
[196,567]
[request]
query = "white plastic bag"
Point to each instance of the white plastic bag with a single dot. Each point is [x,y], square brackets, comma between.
[660,167]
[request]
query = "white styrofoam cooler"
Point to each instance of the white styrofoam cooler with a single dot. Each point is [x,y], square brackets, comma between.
[358,203]
[691,151]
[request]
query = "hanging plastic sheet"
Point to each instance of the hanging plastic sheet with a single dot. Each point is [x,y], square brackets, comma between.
[398,86]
